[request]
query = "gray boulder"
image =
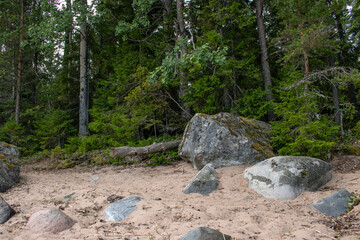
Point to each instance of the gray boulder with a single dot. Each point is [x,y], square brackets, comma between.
[204,233]
[204,182]
[224,140]
[9,166]
[334,205]
[286,177]
[120,209]
[49,220]
[5,211]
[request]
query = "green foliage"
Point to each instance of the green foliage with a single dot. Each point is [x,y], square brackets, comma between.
[57,153]
[163,158]
[86,144]
[353,201]
[141,9]
[302,130]
[199,59]
[13,133]
[54,128]
[253,104]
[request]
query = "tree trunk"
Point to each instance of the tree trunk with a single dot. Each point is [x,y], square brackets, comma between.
[264,55]
[143,151]
[167,9]
[168,22]
[180,36]
[19,73]
[336,102]
[84,91]
[307,70]
[68,40]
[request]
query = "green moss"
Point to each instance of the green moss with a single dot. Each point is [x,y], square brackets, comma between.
[7,145]
[5,161]
[67,163]
[250,128]
[354,149]
[186,132]
[98,160]
[238,126]
[263,150]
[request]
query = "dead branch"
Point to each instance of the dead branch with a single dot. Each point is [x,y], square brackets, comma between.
[324,75]
[143,151]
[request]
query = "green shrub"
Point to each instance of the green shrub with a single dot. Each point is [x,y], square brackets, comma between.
[54,128]
[297,134]
[163,158]
[57,153]
[13,133]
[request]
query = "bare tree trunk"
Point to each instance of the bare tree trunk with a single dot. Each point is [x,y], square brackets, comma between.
[307,70]
[84,91]
[13,76]
[143,151]
[19,73]
[180,36]
[167,8]
[68,40]
[264,55]
[336,103]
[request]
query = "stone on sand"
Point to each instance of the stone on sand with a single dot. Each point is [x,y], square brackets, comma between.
[204,233]
[49,220]
[204,182]
[5,211]
[120,209]
[286,177]
[334,205]
[225,140]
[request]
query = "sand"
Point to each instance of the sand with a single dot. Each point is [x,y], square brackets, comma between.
[166,212]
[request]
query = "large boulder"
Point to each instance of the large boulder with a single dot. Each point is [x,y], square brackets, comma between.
[225,140]
[204,182]
[204,233]
[9,166]
[286,177]
[50,220]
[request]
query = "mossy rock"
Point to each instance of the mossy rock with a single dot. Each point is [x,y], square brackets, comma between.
[9,166]
[225,139]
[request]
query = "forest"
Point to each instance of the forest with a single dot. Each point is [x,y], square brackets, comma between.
[81,75]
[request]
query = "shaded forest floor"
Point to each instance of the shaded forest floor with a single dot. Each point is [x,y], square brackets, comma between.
[167,213]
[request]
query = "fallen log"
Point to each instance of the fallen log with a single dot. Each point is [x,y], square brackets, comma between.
[143,151]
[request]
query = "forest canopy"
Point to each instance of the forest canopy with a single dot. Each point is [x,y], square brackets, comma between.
[82,75]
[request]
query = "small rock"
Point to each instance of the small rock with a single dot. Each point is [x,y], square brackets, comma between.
[5,211]
[204,182]
[94,179]
[49,220]
[334,205]
[204,233]
[113,198]
[69,195]
[120,209]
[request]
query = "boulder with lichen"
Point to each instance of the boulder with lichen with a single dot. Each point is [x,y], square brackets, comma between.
[9,166]
[286,177]
[225,140]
